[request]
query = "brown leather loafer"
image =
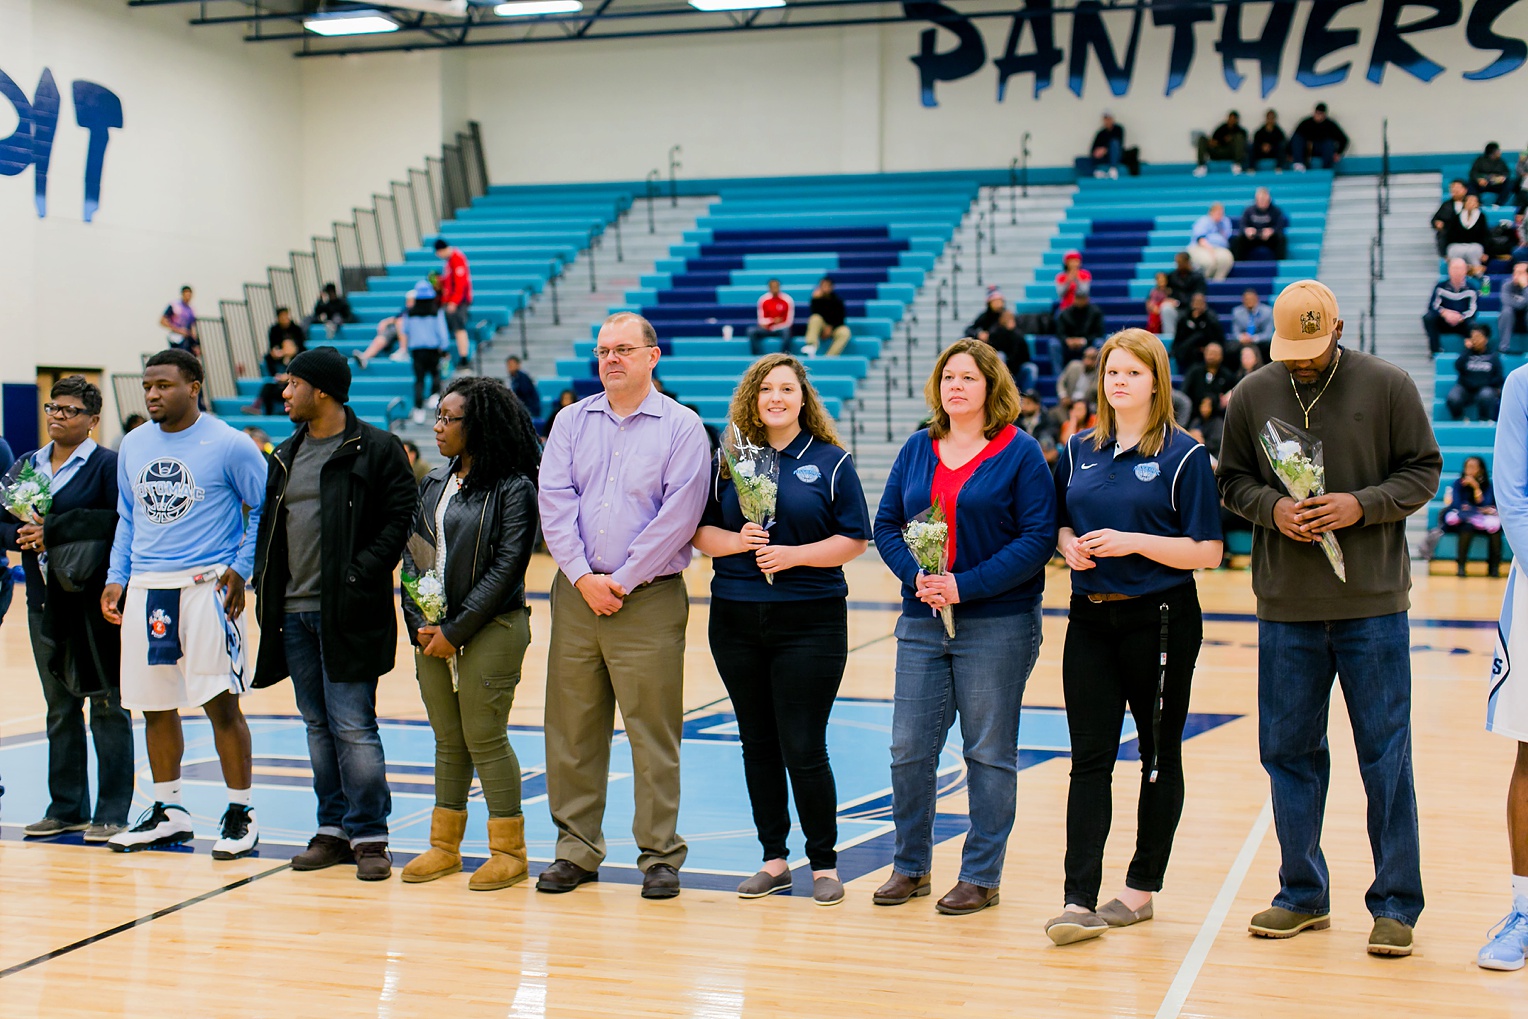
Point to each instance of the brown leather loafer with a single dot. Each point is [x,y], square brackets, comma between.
[966,898]
[564,876]
[899,888]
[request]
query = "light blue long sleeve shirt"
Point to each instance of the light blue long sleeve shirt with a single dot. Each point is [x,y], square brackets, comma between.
[1509,474]
[1258,324]
[181,498]
[1216,233]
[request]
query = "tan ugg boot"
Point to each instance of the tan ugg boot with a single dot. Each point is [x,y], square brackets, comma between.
[507,866]
[444,855]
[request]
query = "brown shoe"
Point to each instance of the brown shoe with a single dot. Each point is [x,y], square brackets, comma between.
[899,888]
[507,865]
[445,853]
[966,898]
[564,876]
[323,851]
[660,881]
[373,862]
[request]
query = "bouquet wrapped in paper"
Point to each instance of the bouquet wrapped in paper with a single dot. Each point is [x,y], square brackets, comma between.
[755,474]
[1295,456]
[26,492]
[428,587]
[927,537]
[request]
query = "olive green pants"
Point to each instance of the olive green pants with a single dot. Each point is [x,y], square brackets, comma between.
[470,722]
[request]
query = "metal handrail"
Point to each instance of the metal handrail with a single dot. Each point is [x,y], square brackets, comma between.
[674,167]
[939,305]
[981,235]
[652,189]
[1013,191]
[1024,166]
[955,251]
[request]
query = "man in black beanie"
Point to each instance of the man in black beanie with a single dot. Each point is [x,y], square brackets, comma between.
[340,499]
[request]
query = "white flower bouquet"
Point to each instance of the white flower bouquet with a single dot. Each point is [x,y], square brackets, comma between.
[1295,456]
[927,537]
[755,472]
[26,492]
[427,588]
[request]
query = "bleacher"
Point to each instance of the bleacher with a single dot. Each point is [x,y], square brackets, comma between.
[518,242]
[877,241]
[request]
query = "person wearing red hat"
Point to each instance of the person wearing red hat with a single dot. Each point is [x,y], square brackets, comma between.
[1072,280]
[1381,464]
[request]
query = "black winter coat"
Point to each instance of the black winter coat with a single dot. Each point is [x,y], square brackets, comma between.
[366,501]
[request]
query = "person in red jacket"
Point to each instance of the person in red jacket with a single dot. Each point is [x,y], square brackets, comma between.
[1072,280]
[776,316]
[455,296]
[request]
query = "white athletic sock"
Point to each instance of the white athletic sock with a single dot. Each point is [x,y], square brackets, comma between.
[168,792]
[1519,891]
[239,797]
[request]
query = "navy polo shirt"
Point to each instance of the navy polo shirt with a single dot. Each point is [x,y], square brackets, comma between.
[819,496]
[1172,494]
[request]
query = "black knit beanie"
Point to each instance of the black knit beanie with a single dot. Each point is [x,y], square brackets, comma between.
[325,369]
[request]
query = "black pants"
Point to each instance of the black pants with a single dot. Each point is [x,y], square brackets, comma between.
[1244,247]
[1466,535]
[426,362]
[782,663]
[1111,661]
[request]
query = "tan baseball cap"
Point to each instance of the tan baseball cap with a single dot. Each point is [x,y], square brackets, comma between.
[1304,316]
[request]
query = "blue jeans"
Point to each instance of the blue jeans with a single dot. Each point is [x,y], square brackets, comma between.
[1027,375]
[979,674]
[759,339]
[349,773]
[1111,159]
[1371,658]
[1304,153]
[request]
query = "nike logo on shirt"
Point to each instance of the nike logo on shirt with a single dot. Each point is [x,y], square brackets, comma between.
[1087,467]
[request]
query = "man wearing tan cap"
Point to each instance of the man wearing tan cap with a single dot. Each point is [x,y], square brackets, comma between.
[1381,465]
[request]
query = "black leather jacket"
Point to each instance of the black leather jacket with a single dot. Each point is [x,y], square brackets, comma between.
[489,535]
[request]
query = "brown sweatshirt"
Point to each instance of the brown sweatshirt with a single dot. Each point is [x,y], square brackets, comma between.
[1377,444]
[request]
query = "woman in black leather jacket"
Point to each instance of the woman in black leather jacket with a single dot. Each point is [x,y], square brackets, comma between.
[478,515]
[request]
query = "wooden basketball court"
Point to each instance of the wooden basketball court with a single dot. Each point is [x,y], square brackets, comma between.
[85,932]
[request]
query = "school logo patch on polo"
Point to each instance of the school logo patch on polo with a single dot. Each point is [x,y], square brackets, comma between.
[1147,472]
[808,473]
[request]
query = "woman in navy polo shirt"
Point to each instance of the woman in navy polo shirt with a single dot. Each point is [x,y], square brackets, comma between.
[1139,513]
[995,488]
[781,648]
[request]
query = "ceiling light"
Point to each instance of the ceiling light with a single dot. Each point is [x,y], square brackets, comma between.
[444,8]
[711,6]
[535,8]
[361,22]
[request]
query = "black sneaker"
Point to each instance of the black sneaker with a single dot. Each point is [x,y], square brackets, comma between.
[323,851]
[161,825]
[373,862]
[240,834]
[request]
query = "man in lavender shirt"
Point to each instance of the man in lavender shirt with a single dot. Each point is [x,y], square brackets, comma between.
[623,483]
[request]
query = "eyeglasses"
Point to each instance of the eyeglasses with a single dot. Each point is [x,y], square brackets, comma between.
[448,420]
[622,352]
[62,410]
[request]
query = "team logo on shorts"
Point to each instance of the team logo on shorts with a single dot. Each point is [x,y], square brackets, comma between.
[167,490]
[1147,472]
[159,623]
[808,473]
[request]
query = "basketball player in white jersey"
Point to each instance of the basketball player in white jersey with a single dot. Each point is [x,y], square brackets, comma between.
[183,551]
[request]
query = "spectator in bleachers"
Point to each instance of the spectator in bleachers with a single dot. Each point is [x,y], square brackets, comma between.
[1036,423]
[1182,283]
[1452,306]
[776,314]
[1077,328]
[1209,243]
[331,310]
[179,318]
[1108,148]
[1072,280]
[1480,377]
[1317,137]
[427,336]
[1268,142]
[132,421]
[387,336]
[1262,227]
[1251,359]
[1513,320]
[1252,322]
[990,315]
[285,342]
[284,330]
[1208,387]
[1468,235]
[1079,418]
[566,398]
[455,297]
[1078,382]
[1469,508]
[1449,212]
[827,315]
[1200,326]
[1228,141]
[1012,346]
[1489,176]
[416,461]
[522,385]
[1154,299]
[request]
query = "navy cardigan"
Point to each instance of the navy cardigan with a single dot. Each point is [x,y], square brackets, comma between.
[1005,526]
[93,487]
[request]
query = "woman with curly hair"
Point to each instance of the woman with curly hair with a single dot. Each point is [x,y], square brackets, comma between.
[781,647]
[478,513]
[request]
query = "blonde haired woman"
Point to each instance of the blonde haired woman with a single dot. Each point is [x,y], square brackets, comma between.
[1138,513]
[781,647]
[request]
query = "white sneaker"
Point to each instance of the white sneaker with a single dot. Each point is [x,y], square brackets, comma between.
[1114,173]
[240,833]
[433,401]
[1236,169]
[1100,174]
[418,416]
[808,351]
[159,826]
[399,355]
[1201,171]
[1299,168]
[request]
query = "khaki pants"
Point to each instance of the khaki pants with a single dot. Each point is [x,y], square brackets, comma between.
[815,327]
[634,659]
[1215,263]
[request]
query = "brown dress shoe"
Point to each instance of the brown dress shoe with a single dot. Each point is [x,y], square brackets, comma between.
[899,888]
[660,881]
[966,898]
[564,876]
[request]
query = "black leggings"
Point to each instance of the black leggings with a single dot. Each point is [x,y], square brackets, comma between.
[782,663]
[426,362]
[1111,661]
